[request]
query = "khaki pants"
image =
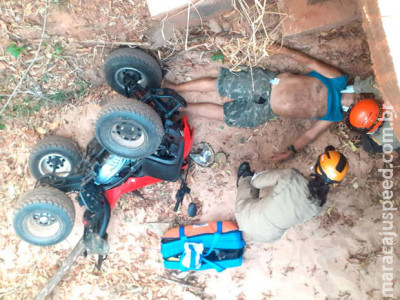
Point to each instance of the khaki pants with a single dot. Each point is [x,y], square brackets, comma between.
[249,212]
[266,219]
[245,193]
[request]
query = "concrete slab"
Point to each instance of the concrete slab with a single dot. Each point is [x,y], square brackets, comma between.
[312,15]
[200,11]
[161,7]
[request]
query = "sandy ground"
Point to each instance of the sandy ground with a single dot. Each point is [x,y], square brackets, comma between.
[337,255]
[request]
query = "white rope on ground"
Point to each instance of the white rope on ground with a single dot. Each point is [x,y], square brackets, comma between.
[14,92]
[190,3]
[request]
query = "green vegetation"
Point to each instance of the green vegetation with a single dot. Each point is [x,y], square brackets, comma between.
[58,48]
[218,56]
[2,126]
[46,78]
[27,105]
[14,50]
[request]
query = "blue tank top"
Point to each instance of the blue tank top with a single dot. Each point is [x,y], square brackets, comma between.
[334,112]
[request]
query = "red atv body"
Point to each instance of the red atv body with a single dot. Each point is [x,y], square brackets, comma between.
[134,183]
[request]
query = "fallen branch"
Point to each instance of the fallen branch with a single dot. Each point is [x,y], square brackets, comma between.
[62,271]
[141,44]
[181,282]
[31,64]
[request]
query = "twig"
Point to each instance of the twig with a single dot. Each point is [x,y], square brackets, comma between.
[142,44]
[198,13]
[188,21]
[187,25]
[30,93]
[31,64]
[162,32]
[181,282]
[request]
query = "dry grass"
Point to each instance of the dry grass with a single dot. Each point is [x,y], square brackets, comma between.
[253,30]
[62,60]
[253,46]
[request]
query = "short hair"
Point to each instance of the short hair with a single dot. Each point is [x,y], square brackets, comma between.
[318,188]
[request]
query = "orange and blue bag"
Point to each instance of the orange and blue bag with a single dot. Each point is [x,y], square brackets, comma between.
[214,245]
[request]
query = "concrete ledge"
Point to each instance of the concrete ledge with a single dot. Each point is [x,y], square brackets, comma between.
[306,16]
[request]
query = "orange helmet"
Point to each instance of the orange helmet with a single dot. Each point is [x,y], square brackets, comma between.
[332,165]
[365,115]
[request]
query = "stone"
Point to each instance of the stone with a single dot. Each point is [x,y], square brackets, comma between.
[221,159]
[226,26]
[214,26]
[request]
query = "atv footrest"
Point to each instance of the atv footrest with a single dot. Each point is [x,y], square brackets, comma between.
[93,197]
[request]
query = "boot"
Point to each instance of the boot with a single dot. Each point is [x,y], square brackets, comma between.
[244,170]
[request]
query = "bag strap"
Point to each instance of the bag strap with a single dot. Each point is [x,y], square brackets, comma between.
[215,240]
[216,266]
[217,234]
[182,235]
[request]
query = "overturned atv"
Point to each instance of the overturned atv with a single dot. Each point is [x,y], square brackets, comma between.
[136,144]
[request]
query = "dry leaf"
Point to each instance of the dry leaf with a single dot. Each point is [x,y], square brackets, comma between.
[41,130]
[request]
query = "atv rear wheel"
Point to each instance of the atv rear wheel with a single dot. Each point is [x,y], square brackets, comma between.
[134,62]
[44,216]
[54,153]
[129,128]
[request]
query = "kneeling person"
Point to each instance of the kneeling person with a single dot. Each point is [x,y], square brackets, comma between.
[369,117]
[295,199]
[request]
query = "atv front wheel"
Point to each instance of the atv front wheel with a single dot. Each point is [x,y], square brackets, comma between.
[129,128]
[54,153]
[134,62]
[44,216]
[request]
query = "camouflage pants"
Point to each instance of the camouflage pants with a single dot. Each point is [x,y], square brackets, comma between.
[251,94]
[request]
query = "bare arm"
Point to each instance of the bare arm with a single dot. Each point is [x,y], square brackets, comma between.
[311,134]
[312,63]
[306,138]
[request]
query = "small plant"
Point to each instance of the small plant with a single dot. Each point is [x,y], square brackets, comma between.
[59,96]
[59,49]
[46,78]
[2,126]
[218,56]
[82,87]
[14,50]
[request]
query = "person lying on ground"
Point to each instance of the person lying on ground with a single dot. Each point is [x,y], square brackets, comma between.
[262,95]
[372,119]
[295,199]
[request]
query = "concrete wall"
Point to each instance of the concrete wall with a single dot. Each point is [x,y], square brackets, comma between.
[381,22]
[317,15]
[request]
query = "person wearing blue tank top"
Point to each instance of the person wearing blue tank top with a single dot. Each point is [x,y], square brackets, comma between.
[260,95]
[334,110]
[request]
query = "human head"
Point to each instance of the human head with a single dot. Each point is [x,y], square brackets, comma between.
[331,166]
[365,116]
